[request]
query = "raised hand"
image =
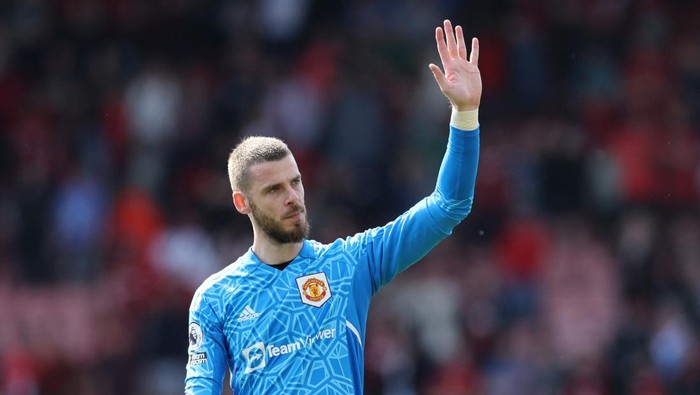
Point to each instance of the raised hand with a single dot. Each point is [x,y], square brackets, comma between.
[461,81]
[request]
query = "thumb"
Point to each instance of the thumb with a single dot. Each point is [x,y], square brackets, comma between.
[439,76]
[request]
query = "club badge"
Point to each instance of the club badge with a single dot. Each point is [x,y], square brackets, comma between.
[314,289]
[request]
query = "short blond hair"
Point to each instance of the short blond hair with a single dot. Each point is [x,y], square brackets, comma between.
[250,151]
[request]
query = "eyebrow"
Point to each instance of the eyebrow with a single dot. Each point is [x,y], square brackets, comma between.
[271,187]
[275,185]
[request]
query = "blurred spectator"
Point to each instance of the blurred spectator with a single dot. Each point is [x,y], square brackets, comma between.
[185,254]
[78,224]
[153,104]
[580,294]
[671,341]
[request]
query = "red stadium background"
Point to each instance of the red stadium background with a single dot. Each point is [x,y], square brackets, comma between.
[578,271]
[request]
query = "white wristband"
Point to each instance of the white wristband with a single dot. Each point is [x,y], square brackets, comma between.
[465,120]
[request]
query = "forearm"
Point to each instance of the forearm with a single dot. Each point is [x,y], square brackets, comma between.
[400,243]
[454,193]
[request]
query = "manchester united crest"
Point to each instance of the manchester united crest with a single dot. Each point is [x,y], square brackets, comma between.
[314,289]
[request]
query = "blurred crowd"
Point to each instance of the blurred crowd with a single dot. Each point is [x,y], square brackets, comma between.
[578,271]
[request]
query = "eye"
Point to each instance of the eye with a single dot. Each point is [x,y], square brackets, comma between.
[273,189]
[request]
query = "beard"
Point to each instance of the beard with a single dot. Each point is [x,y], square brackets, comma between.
[275,230]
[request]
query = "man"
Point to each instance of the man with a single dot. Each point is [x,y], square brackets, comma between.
[289,316]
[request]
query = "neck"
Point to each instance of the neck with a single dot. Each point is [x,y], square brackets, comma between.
[273,253]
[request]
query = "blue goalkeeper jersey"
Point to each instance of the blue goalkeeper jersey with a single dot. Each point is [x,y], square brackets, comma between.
[301,330]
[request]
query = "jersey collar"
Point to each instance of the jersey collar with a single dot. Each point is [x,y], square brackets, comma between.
[307,251]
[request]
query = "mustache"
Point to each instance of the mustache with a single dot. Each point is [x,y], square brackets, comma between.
[297,208]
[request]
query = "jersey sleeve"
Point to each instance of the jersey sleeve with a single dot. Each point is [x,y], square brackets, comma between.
[392,248]
[206,365]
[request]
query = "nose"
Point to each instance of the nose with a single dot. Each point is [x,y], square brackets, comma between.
[293,196]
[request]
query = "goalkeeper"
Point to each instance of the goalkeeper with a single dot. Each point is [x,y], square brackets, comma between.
[289,316]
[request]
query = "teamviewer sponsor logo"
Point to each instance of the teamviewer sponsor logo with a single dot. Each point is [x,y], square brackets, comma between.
[256,356]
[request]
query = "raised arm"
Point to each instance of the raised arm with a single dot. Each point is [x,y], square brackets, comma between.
[392,248]
[461,81]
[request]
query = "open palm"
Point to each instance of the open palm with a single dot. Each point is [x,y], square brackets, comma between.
[461,81]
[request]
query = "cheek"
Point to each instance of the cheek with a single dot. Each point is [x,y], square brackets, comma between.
[271,208]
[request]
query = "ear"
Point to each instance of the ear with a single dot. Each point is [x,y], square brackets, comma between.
[241,203]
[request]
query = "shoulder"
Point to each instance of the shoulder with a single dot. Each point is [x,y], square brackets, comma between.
[314,248]
[353,244]
[320,249]
[221,283]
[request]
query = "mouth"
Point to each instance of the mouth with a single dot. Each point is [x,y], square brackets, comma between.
[296,214]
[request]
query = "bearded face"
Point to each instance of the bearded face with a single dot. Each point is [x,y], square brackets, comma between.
[292,227]
[275,201]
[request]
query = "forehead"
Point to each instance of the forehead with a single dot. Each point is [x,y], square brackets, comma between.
[272,172]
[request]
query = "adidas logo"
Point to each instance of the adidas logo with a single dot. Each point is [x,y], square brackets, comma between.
[247,314]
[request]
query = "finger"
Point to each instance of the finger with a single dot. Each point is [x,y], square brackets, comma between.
[441,46]
[461,45]
[474,57]
[439,76]
[451,44]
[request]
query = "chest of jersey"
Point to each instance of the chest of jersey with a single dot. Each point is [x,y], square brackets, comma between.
[286,322]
